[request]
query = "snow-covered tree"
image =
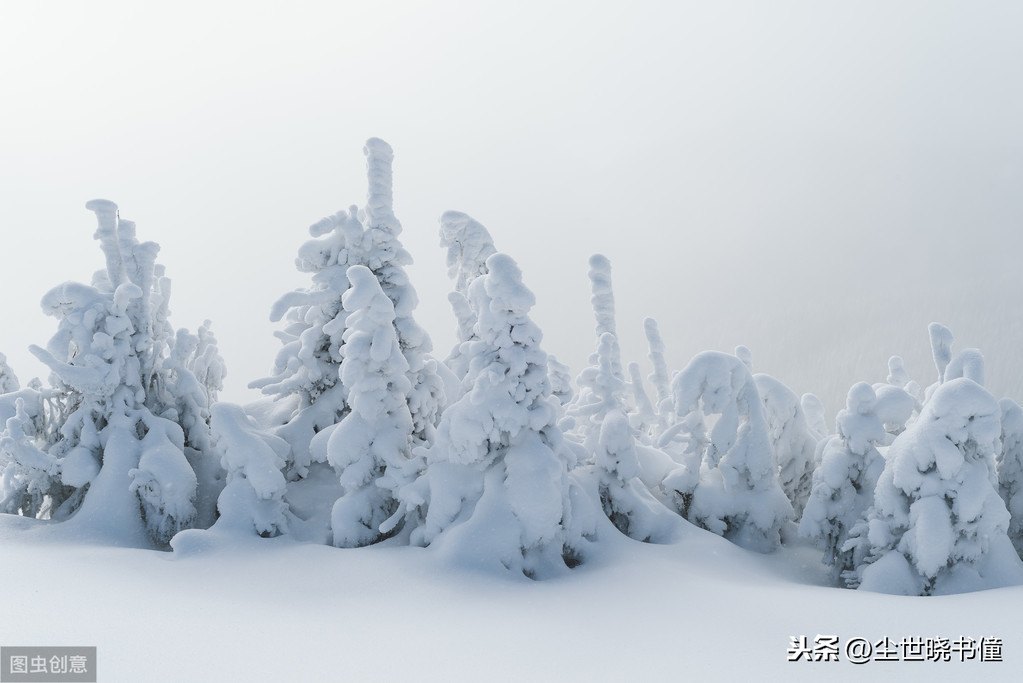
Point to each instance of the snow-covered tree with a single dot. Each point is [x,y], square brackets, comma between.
[8,380]
[644,418]
[660,377]
[371,447]
[736,493]
[744,354]
[941,347]
[896,408]
[28,474]
[843,483]
[1010,468]
[791,440]
[603,301]
[496,489]
[607,434]
[967,363]
[127,419]
[897,375]
[306,380]
[598,384]
[468,245]
[385,256]
[253,499]
[816,421]
[561,380]
[600,392]
[938,524]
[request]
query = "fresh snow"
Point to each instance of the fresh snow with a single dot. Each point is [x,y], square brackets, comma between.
[383,515]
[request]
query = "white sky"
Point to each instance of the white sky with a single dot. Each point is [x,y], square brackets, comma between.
[816,180]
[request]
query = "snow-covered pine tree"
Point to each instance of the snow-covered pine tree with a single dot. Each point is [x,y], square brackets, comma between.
[813,409]
[496,489]
[306,377]
[623,496]
[603,300]
[744,354]
[468,245]
[561,380]
[644,419]
[308,396]
[8,380]
[29,476]
[371,447]
[736,494]
[843,482]
[660,377]
[385,256]
[253,499]
[600,392]
[793,444]
[592,402]
[1010,468]
[897,375]
[116,426]
[941,350]
[938,524]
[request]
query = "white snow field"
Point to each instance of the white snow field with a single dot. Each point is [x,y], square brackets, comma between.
[276,610]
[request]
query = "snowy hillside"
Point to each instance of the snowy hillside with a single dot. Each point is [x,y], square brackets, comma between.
[387,513]
[698,609]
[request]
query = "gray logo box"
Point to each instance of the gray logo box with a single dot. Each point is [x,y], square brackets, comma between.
[47,664]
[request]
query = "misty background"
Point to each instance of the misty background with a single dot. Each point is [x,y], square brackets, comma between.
[815,180]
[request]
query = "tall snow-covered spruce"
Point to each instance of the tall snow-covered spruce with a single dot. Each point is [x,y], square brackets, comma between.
[1010,468]
[306,385]
[125,427]
[8,380]
[372,445]
[496,490]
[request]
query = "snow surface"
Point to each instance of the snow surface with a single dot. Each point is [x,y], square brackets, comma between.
[277,610]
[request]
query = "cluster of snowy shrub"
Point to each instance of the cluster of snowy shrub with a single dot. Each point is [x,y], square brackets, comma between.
[493,456]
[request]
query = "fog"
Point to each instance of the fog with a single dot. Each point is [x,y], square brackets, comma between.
[815,180]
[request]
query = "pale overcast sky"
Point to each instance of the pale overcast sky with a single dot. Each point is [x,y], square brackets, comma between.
[816,180]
